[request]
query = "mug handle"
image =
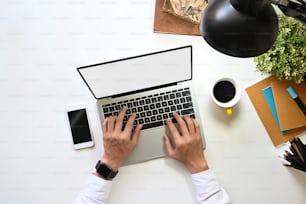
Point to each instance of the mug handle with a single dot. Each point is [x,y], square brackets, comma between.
[228,111]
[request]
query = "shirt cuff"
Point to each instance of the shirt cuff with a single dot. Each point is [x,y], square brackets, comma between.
[100,183]
[205,183]
[96,190]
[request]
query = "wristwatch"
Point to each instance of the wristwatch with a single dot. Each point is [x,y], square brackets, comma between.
[105,171]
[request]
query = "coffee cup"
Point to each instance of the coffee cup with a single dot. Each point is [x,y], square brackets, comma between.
[226,93]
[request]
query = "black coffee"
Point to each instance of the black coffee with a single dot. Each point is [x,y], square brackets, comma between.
[224,91]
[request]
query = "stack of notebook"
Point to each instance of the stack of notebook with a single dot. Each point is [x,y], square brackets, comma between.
[286,112]
[279,112]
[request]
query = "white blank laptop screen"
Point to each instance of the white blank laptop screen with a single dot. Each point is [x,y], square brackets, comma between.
[139,72]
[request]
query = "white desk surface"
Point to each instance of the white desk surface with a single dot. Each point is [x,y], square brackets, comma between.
[41,44]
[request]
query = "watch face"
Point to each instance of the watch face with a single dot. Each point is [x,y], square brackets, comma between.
[105,171]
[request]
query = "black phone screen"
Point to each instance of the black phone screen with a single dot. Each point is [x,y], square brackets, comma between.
[79,126]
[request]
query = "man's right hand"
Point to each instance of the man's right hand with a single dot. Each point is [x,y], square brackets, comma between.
[188,143]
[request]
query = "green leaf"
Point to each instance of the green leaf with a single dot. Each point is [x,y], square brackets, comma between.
[287,57]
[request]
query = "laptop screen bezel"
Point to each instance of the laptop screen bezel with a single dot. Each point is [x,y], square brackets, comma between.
[137,56]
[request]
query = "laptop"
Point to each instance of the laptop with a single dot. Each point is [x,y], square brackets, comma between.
[152,85]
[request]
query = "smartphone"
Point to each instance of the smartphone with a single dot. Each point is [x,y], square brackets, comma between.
[80,129]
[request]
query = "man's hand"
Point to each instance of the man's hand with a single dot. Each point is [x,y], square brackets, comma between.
[188,144]
[118,143]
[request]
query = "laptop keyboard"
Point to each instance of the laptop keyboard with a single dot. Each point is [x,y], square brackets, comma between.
[153,110]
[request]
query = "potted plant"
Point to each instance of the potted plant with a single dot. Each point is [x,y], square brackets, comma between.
[287,57]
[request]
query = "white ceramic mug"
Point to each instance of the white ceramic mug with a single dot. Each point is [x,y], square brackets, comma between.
[226,93]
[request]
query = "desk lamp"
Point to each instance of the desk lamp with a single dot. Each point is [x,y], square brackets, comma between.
[246,28]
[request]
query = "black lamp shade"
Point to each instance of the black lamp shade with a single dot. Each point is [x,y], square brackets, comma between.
[239,30]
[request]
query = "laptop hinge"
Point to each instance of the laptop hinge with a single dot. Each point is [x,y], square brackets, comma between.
[142,90]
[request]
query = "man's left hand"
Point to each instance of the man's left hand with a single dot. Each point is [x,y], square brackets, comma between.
[118,143]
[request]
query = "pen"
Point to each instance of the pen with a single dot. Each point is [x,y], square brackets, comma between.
[291,148]
[298,153]
[301,147]
[296,98]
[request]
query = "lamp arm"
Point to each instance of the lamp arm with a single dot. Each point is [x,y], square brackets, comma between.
[295,9]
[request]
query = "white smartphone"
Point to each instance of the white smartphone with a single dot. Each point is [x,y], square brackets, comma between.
[79,125]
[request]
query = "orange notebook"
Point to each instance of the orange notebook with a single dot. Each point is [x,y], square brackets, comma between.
[257,98]
[289,114]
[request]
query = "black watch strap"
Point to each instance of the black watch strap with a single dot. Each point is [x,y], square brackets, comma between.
[105,171]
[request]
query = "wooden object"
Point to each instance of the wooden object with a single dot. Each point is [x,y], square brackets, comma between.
[165,22]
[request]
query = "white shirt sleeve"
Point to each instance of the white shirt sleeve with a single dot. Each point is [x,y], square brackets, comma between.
[208,190]
[96,191]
